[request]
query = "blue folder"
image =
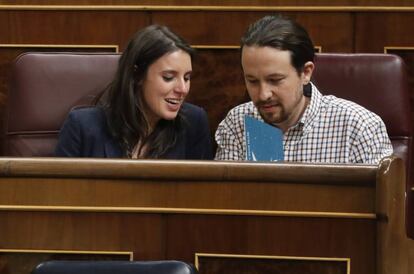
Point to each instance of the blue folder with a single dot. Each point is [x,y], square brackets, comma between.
[263,141]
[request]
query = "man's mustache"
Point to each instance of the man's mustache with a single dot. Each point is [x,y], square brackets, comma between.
[267,103]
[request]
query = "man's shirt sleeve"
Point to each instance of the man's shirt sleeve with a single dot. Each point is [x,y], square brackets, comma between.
[229,139]
[373,143]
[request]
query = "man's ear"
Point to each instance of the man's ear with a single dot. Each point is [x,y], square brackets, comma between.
[307,72]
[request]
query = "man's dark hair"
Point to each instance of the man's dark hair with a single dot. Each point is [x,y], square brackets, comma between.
[281,33]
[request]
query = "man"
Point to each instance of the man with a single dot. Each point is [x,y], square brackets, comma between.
[277,59]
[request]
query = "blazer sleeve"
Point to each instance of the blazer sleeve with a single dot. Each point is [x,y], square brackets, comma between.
[69,142]
[199,144]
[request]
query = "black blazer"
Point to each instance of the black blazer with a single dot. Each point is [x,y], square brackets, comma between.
[85,133]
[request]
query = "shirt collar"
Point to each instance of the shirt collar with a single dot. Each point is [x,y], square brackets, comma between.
[311,112]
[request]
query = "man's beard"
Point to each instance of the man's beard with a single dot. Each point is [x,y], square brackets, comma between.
[274,117]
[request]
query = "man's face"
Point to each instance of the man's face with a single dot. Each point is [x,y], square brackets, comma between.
[274,85]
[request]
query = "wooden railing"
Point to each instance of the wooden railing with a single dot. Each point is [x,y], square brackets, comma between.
[221,216]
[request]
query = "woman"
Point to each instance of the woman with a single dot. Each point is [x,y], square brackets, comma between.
[142,113]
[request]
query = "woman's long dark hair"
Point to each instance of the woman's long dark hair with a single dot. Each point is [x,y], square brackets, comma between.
[124,101]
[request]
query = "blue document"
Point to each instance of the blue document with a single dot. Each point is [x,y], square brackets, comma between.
[263,141]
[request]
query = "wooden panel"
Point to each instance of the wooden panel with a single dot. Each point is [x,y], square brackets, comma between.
[324,199]
[70,27]
[275,236]
[226,28]
[221,264]
[330,37]
[75,231]
[328,3]
[374,31]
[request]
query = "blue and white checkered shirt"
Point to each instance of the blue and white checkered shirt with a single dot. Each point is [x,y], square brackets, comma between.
[331,130]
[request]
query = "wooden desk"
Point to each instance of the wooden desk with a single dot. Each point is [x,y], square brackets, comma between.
[226,217]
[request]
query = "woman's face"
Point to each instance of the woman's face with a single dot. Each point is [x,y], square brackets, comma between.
[166,85]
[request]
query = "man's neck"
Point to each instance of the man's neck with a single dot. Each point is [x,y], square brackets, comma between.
[294,119]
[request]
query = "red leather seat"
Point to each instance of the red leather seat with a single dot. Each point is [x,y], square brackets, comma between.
[44,87]
[379,83]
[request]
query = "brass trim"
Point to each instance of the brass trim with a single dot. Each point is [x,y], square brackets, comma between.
[114,47]
[387,48]
[211,8]
[94,252]
[215,47]
[317,48]
[208,211]
[271,257]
